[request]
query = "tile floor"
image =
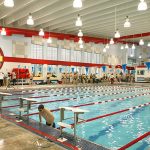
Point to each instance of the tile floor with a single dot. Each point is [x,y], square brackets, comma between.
[13,137]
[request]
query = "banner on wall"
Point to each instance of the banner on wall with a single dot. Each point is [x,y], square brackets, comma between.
[72,69]
[60,70]
[1,58]
[104,68]
[86,70]
[124,67]
[147,65]
[49,69]
[118,70]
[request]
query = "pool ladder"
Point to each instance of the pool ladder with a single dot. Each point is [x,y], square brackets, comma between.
[76,119]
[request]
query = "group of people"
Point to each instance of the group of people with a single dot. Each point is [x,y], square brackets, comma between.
[75,78]
[129,77]
[6,78]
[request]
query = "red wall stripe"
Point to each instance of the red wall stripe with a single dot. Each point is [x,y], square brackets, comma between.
[62,36]
[50,62]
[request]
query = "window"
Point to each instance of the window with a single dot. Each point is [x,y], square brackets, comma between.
[78,56]
[67,55]
[94,58]
[97,58]
[85,57]
[36,51]
[75,56]
[51,53]
[89,57]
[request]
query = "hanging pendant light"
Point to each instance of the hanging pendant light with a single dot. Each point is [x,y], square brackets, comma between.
[78,21]
[142,5]
[131,55]
[104,50]
[49,40]
[122,47]
[3,31]
[80,34]
[126,46]
[107,46]
[80,41]
[9,3]
[111,41]
[117,34]
[77,3]
[141,42]
[41,33]
[148,44]
[140,56]
[127,24]
[81,45]
[133,47]
[30,20]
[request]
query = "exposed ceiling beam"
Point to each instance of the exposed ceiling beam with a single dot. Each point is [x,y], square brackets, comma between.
[19,4]
[39,5]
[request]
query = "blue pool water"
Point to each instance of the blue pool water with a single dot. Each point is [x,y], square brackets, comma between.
[113,131]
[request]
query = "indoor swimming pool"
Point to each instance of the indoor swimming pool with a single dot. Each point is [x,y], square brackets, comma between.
[116,114]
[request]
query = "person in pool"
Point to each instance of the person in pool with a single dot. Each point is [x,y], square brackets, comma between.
[47,115]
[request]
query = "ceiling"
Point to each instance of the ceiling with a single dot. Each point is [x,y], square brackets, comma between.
[59,16]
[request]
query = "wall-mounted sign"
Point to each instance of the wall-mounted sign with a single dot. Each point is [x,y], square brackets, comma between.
[1,58]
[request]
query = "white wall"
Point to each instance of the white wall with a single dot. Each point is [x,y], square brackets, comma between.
[114,54]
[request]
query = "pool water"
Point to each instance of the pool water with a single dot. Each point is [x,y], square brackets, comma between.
[112,131]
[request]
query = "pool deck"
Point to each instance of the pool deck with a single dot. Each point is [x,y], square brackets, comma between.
[13,137]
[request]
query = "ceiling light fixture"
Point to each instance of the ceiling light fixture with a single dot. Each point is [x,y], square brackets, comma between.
[142,5]
[77,3]
[81,45]
[49,40]
[127,23]
[107,46]
[80,41]
[141,42]
[78,21]
[104,50]
[140,56]
[131,55]
[111,41]
[80,34]
[3,31]
[41,33]
[148,44]
[30,20]
[117,33]
[126,46]
[9,3]
[133,47]
[122,47]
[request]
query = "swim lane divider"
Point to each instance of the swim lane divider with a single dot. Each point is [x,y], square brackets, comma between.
[134,141]
[95,103]
[117,112]
[111,114]
[49,101]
